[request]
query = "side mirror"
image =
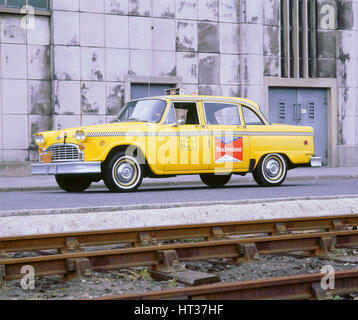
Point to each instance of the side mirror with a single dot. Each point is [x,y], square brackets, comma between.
[179,123]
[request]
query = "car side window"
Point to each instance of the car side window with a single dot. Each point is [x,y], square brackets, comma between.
[251,117]
[222,114]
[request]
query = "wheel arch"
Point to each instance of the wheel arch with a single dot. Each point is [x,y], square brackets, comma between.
[137,151]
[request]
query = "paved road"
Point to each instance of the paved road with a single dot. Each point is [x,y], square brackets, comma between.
[149,195]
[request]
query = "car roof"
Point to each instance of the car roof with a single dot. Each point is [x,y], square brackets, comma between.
[208,98]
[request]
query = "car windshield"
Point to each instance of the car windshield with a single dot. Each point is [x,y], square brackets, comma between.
[142,111]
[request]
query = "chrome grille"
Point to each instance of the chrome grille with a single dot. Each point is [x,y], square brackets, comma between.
[65,152]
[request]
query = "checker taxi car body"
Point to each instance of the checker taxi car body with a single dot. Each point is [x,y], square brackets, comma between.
[165,136]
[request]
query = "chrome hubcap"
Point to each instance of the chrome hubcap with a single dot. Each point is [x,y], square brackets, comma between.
[272,168]
[125,173]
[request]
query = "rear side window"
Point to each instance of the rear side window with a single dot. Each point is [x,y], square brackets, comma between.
[251,117]
[222,114]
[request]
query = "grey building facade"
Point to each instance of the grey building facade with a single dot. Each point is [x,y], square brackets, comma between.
[76,62]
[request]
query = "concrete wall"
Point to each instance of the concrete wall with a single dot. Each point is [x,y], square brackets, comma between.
[347,76]
[72,69]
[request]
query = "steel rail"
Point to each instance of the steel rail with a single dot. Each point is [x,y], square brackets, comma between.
[237,249]
[145,236]
[300,287]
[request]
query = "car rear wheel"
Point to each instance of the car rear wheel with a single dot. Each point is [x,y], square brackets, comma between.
[73,183]
[215,180]
[123,173]
[271,170]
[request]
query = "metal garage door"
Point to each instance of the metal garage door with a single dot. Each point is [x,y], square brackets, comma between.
[302,107]
[143,90]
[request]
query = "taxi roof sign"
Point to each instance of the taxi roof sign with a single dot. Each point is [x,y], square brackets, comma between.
[175,91]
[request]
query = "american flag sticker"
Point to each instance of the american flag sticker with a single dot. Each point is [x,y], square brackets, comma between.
[229,149]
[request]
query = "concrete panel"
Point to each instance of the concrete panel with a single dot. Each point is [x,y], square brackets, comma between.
[347,101]
[92,6]
[229,11]
[37,124]
[271,41]
[271,14]
[164,8]
[347,130]
[11,29]
[93,98]
[92,29]
[40,35]
[115,97]
[252,69]
[247,45]
[73,5]
[15,132]
[187,36]
[347,44]
[40,97]
[39,62]
[229,69]
[67,64]
[187,66]
[251,11]
[15,155]
[208,37]
[66,28]
[13,61]
[210,90]
[253,92]
[230,91]
[186,9]
[117,64]
[348,155]
[272,66]
[67,97]
[116,6]
[208,10]
[116,31]
[346,72]
[209,68]
[91,120]
[190,88]
[140,33]
[14,103]
[65,122]
[165,63]
[326,44]
[164,34]
[93,64]
[140,62]
[229,38]
[140,8]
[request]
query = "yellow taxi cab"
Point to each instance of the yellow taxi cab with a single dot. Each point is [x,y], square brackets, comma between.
[165,136]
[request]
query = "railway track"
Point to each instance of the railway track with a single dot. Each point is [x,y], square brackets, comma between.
[282,236]
[301,287]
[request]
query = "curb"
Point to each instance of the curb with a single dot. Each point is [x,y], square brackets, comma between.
[106,209]
[182,183]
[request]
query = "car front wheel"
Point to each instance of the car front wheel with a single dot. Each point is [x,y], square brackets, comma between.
[73,183]
[123,173]
[215,181]
[271,170]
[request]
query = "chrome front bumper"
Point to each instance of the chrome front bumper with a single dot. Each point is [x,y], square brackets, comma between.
[316,162]
[66,168]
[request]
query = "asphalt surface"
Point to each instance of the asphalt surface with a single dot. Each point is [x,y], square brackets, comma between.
[174,194]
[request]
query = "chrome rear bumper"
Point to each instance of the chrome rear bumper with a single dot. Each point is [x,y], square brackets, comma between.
[316,162]
[66,168]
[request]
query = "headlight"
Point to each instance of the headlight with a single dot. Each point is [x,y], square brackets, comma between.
[80,136]
[39,139]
